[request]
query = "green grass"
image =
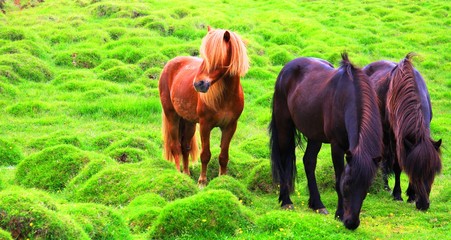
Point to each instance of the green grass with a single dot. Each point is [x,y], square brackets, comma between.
[80,117]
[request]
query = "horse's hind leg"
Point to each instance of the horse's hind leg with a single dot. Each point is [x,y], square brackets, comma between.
[187,130]
[397,188]
[310,158]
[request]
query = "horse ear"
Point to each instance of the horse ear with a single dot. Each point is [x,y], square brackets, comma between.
[208,28]
[226,36]
[437,144]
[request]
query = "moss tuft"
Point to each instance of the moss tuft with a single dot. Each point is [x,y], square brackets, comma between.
[210,215]
[78,58]
[28,213]
[10,153]
[52,168]
[120,74]
[28,67]
[142,211]
[260,179]
[229,183]
[172,185]
[98,221]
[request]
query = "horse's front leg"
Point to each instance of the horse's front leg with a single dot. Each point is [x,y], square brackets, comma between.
[227,134]
[309,159]
[205,130]
[411,193]
[338,160]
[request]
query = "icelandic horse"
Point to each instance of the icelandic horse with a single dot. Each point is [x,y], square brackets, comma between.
[205,90]
[406,114]
[326,105]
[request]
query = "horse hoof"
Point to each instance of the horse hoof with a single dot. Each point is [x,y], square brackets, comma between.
[398,199]
[288,207]
[322,211]
[201,185]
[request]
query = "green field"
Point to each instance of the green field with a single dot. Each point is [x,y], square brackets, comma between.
[80,118]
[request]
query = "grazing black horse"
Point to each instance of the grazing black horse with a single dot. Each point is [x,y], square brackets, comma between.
[326,105]
[406,114]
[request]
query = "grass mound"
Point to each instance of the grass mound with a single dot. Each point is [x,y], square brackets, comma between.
[98,221]
[260,179]
[120,74]
[208,215]
[52,168]
[10,153]
[118,184]
[172,185]
[32,214]
[4,235]
[108,64]
[256,146]
[96,164]
[229,183]
[55,139]
[7,74]
[7,90]
[78,58]
[24,47]
[127,155]
[104,140]
[31,108]
[28,67]
[133,149]
[142,211]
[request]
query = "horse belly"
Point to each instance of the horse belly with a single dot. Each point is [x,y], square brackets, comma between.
[308,118]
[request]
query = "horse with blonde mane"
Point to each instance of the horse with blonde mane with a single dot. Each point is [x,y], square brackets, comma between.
[205,90]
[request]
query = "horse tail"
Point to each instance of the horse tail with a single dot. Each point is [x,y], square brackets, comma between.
[167,141]
[193,148]
[194,151]
[283,159]
[366,148]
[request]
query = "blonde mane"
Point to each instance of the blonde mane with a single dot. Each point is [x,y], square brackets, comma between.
[214,51]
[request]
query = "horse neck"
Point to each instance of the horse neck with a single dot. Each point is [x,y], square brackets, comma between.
[404,107]
[224,90]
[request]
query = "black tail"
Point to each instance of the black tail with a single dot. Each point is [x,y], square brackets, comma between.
[283,159]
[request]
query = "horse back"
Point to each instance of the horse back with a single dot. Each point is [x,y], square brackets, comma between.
[306,86]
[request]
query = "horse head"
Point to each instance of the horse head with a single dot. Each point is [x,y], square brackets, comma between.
[354,187]
[223,54]
[426,156]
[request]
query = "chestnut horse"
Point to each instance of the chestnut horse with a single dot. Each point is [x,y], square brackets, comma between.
[207,91]
[326,105]
[406,114]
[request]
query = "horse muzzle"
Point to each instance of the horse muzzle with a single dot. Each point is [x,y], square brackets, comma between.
[351,223]
[202,86]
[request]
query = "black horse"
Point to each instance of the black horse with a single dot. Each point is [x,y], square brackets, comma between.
[406,113]
[326,105]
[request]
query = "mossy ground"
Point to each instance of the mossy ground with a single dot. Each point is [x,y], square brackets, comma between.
[84,75]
